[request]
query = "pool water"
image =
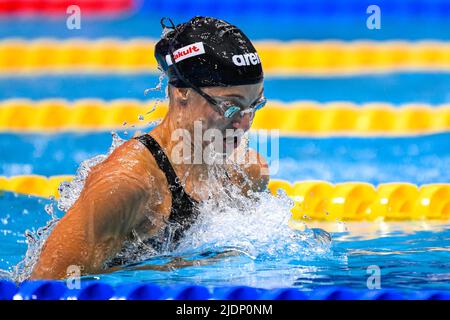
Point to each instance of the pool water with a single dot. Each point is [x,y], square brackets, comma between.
[254,242]
[410,255]
[418,159]
[395,88]
[264,251]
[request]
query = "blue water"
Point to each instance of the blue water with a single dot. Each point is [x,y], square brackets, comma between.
[266,26]
[416,159]
[410,256]
[396,88]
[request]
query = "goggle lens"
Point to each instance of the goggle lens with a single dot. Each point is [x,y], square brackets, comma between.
[231,110]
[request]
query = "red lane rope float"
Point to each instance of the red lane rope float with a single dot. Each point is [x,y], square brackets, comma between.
[59,7]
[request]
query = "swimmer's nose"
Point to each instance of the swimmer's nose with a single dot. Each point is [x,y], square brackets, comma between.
[243,122]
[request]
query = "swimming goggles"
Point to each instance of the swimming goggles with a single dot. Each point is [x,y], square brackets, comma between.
[229,109]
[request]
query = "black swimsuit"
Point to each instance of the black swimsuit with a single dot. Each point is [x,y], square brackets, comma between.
[183,213]
[184,208]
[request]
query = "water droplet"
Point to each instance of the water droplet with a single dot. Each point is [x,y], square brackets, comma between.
[5,220]
[49,209]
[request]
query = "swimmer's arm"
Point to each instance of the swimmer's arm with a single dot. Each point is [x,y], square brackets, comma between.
[91,231]
[179,263]
[96,225]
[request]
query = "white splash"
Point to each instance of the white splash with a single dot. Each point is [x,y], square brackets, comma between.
[69,191]
[258,226]
[35,240]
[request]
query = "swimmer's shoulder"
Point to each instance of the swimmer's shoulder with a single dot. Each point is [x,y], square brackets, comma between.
[130,160]
[131,155]
[256,158]
[254,174]
[257,170]
[136,160]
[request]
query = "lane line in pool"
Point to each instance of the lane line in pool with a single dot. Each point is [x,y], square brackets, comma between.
[103,290]
[42,56]
[314,200]
[302,117]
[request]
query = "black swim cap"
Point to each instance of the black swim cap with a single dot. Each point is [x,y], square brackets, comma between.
[208,52]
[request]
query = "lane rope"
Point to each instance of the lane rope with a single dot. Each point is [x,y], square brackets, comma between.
[305,117]
[278,57]
[314,200]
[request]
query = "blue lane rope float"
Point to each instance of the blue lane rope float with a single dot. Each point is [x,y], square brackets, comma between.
[98,290]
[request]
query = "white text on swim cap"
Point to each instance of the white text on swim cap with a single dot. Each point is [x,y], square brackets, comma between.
[246,59]
[185,52]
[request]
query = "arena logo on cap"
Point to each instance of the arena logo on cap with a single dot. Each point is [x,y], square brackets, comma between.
[246,59]
[185,52]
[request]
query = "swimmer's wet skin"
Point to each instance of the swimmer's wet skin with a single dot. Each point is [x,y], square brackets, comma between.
[215,77]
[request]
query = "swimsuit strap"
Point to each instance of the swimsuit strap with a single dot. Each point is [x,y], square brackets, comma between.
[184,208]
[163,162]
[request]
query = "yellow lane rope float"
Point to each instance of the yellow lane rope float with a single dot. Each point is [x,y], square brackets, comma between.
[314,200]
[284,58]
[290,118]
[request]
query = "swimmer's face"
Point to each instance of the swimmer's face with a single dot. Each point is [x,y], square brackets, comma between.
[197,109]
[233,128]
